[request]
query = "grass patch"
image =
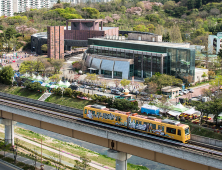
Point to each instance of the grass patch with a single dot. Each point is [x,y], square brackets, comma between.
[68,101]
[20,91]
[204,132]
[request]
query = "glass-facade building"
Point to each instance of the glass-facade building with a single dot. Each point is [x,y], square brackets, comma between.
[148,58]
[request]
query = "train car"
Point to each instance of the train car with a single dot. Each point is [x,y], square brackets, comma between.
[107,115]
[165,128]
[147,124]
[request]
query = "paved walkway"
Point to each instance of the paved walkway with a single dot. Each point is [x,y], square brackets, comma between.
[63,154]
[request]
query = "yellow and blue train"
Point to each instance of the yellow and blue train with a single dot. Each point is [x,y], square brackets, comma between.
[146,124]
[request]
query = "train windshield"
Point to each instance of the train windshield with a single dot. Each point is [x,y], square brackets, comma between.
[187,131]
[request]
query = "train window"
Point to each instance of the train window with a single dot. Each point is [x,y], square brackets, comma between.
[136,122]
[154,126]
[98,114]
[171,130]
[179,132]
[162,128]
[159,127]
[93,112]
[140,123]
[85,111]
[120,118]
[145,123]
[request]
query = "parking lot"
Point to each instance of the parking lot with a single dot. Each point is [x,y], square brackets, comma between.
[196,92]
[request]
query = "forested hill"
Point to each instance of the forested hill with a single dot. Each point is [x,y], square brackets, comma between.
[178,21]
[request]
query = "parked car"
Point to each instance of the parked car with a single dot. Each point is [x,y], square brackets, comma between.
[185,91]
[113,91]
[143,93]
[101,90]
[181,92]
[190,90]
[146,98]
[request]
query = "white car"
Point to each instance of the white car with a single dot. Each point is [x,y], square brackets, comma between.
[185,91]
[181,92]
[190,90]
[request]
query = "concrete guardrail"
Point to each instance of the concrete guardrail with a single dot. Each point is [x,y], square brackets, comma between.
[206,140]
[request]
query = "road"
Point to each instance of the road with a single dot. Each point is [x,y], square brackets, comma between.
[5,166]
[197,92]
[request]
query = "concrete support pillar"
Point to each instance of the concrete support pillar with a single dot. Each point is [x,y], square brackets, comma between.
[121,158]
[9,130]
[141,73]
[101,25]
[99,71]
[67,25]
[112,74]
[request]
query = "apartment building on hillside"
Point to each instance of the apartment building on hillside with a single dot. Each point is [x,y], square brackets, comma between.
[9,7]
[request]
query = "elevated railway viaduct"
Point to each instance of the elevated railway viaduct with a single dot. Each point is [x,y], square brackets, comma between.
[65,121]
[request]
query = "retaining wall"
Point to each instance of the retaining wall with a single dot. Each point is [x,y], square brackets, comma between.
[206,140]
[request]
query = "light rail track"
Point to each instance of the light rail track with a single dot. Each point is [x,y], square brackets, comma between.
[194,147]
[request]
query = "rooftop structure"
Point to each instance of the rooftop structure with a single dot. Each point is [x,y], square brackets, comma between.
[82,29]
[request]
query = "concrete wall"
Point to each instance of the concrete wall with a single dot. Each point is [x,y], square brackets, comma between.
[145,37]
[82,34]
[205,140]
[198,75]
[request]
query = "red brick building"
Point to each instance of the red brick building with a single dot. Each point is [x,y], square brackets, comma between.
[55,42]
[82,29]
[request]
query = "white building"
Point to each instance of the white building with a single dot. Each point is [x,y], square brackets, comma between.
[6,7]
[215,43]
[9,7]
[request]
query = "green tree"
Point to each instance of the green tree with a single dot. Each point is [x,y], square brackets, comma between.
[55,78]
[57,64]
[125,82]
[44,47]
[204,75]
[175,34]
[141,28]
[190,4]
[216,108]
[27,66]
[163,80]
[58,2]
[91,12]
[198,4]
[91,77]
[220,54]
[6,75]
[201,107]
[39,65]
[10,33]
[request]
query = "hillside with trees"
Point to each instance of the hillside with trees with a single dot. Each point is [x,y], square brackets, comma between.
[177,21]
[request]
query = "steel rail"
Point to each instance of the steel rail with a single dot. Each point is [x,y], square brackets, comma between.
[125,131]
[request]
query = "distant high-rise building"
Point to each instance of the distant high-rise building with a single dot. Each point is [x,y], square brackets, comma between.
[9,7]
[6,7]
